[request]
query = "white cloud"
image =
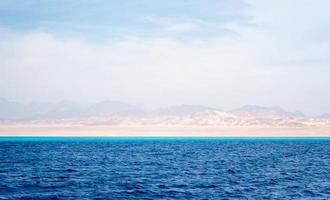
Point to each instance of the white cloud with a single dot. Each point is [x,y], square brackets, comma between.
[137,70]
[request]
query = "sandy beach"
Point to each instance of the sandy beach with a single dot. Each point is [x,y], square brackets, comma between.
[159,131]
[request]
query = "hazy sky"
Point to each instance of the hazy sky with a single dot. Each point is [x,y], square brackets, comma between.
[221,53]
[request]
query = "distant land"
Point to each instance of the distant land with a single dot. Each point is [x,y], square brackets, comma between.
[115,118]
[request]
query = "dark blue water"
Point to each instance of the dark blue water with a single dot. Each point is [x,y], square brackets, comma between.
[159,168]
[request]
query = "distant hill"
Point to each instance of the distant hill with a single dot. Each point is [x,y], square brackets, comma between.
[113,108]
[325,115]
[10,110]
[266,111]
[181,110]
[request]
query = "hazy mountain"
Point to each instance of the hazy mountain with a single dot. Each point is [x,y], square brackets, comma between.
[35,110]
[266,111]
[65,109]
[325,115]
[10,109]
[192,114]
[110,108]
[62,109]
[181,110]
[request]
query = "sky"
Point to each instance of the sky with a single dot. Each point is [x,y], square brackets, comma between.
[220,53]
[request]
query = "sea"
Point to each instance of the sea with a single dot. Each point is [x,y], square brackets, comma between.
[164,168]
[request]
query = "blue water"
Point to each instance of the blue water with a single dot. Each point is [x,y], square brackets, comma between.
[164,168]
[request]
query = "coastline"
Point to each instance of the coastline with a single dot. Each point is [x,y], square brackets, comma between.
[158,131]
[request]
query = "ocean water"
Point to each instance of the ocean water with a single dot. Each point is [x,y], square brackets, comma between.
[164,168]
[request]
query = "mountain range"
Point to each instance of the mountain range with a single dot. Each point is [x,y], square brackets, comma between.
[11,110]
[124,116]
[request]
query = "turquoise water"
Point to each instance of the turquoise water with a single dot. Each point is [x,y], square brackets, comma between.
[160,139]
[164,168]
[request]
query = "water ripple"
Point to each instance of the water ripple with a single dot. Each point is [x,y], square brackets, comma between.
[165,170]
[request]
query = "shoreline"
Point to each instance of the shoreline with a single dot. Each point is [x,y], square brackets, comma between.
[158,131]
[166,137]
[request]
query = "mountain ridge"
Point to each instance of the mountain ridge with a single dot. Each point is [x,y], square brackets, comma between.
[11,110]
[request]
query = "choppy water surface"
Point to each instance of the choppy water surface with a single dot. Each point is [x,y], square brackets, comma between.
[164,168]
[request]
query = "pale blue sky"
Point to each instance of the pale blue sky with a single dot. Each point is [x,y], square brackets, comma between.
[102,18]
[221,53]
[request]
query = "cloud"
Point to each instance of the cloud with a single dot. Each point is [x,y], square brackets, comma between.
[174,26]
[138,69]
[296,31]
